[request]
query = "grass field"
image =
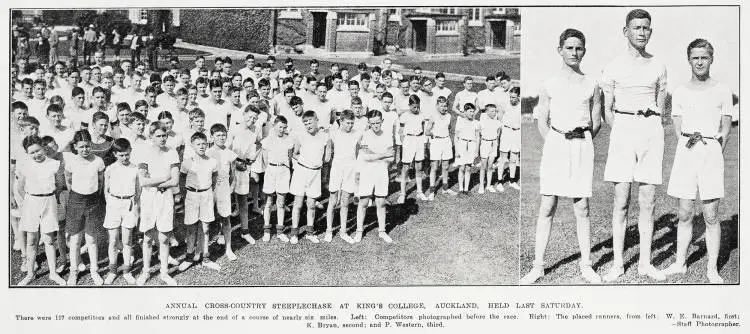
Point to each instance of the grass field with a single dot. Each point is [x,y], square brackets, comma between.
[562,253]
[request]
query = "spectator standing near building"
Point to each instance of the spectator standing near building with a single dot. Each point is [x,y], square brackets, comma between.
[89,44]
[74,37]
[54,41]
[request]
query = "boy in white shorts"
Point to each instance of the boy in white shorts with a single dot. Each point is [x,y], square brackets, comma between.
[51,150]
[510,138]
[411,131]
[634,86]
[37,184]
[244,139]
[277,150]
[489,132]
[701,110]
[121,191]
[226,159]
[201,174]
[374,152]
[467,145]
[311,150]
[441,147]
[158,173]
[343,181]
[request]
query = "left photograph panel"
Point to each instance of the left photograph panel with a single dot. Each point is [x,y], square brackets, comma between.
[265,146]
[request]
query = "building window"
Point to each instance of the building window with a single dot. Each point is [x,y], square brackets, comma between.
[447,10]
[447,27]
[394,14]
[143,15]
[498,10]
[290,13]
[475,17]
[352,22]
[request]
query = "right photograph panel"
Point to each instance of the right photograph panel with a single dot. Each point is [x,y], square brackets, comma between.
[630,146]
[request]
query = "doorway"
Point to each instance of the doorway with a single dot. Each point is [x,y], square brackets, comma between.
[419,40]
[319,29]
[498,34]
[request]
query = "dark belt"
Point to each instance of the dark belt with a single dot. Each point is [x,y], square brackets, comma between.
[308,167]
[645,113]
[277,165]
[415,135]
[577,133]
[191,189]
[438,137]
[695,137]
[42,195]
[467,140]
[122,197]
[510,127]
[493,139]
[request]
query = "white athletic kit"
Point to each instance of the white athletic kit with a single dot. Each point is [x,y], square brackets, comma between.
[636,143]
[444,92]
[306,179]
[199,197]
[510,138]
[216,113]
[463,97]
[63,137]
[277,177]
[441,147]
[223,190]
[39,208]
[427,103]
[465,140]
[373,175]
[322,110]
[495,96]
[243,142]
[567,165]
[121,206]
[699,168]
[344,165]
[157,207]
[488,128]
[414,138]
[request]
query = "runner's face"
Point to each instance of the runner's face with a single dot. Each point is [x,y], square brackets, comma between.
[572,51]
[490,84]
[314,67]
[39,91]
[199,62]
[443,108]
[700,61]
[234,97]
[101,127]
[492,112]
[159,138]
[280,129]
[139,126]
[151,98]
[347,125]
[250,118]
[237,81]
[55,118]
[638,32]
[123,157]
[514,98]
[84,148]
[353,90]
[124,116]
[321,92]
[36,152]
[192,95]
[216,93]
[20,113]
[220,138]
[119,78]
[387,101]
[311,124]
[375,123]
[182,101]
[137,81]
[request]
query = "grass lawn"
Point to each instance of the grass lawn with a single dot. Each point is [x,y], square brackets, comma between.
[562,253]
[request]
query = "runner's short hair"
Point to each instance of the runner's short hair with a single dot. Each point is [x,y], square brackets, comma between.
[572,33]
[700,43]
[637,14]
[218,128]
[120,145]
[347,114]
[309,114]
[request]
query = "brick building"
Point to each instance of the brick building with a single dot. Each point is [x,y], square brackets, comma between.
[434,30]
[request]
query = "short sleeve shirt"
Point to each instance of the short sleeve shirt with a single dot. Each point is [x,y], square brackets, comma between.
[345,146]
[441,125]
[278,149]
[122,179]
[85,173]
[412,123]
[199,171]
[157,161]
[225,157]
[634,82]
[489,127]
[312,148]
[40,176]
[702,110]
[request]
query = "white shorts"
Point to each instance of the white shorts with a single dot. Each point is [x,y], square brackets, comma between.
[276,180]
[19,201]
[223,198]
[441,148]
[465,151]
[636,150]
[488,149]
[157,210]
[120,212]
[39,214]
[510,140]
[413,149]
[305,182]
[61,207]
[567,166]
[343,177]
[699,169]
[373,180]
[199,206]
[242,182]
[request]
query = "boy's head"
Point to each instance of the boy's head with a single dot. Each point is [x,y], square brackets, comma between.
[280,125]
[403,85]
[470,110]
[250,116]
[123,113]
[514,95]
[491,110]
[490,82]
[346,121]
[50,145]
[121,148]
[157,133]
[296,103]
[219,134]
[197,118]
[387,100]
[468,83]
[138,124]
[20,110]
[442,105]
[414,104]
[34,147]
[375,120]
[55,114]
[310,120]
[29,126]
[353,87]
[357,107]
[166,120]
[638,28]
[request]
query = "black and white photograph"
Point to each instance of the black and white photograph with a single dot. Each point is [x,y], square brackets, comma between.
[631,146]
[294,146]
